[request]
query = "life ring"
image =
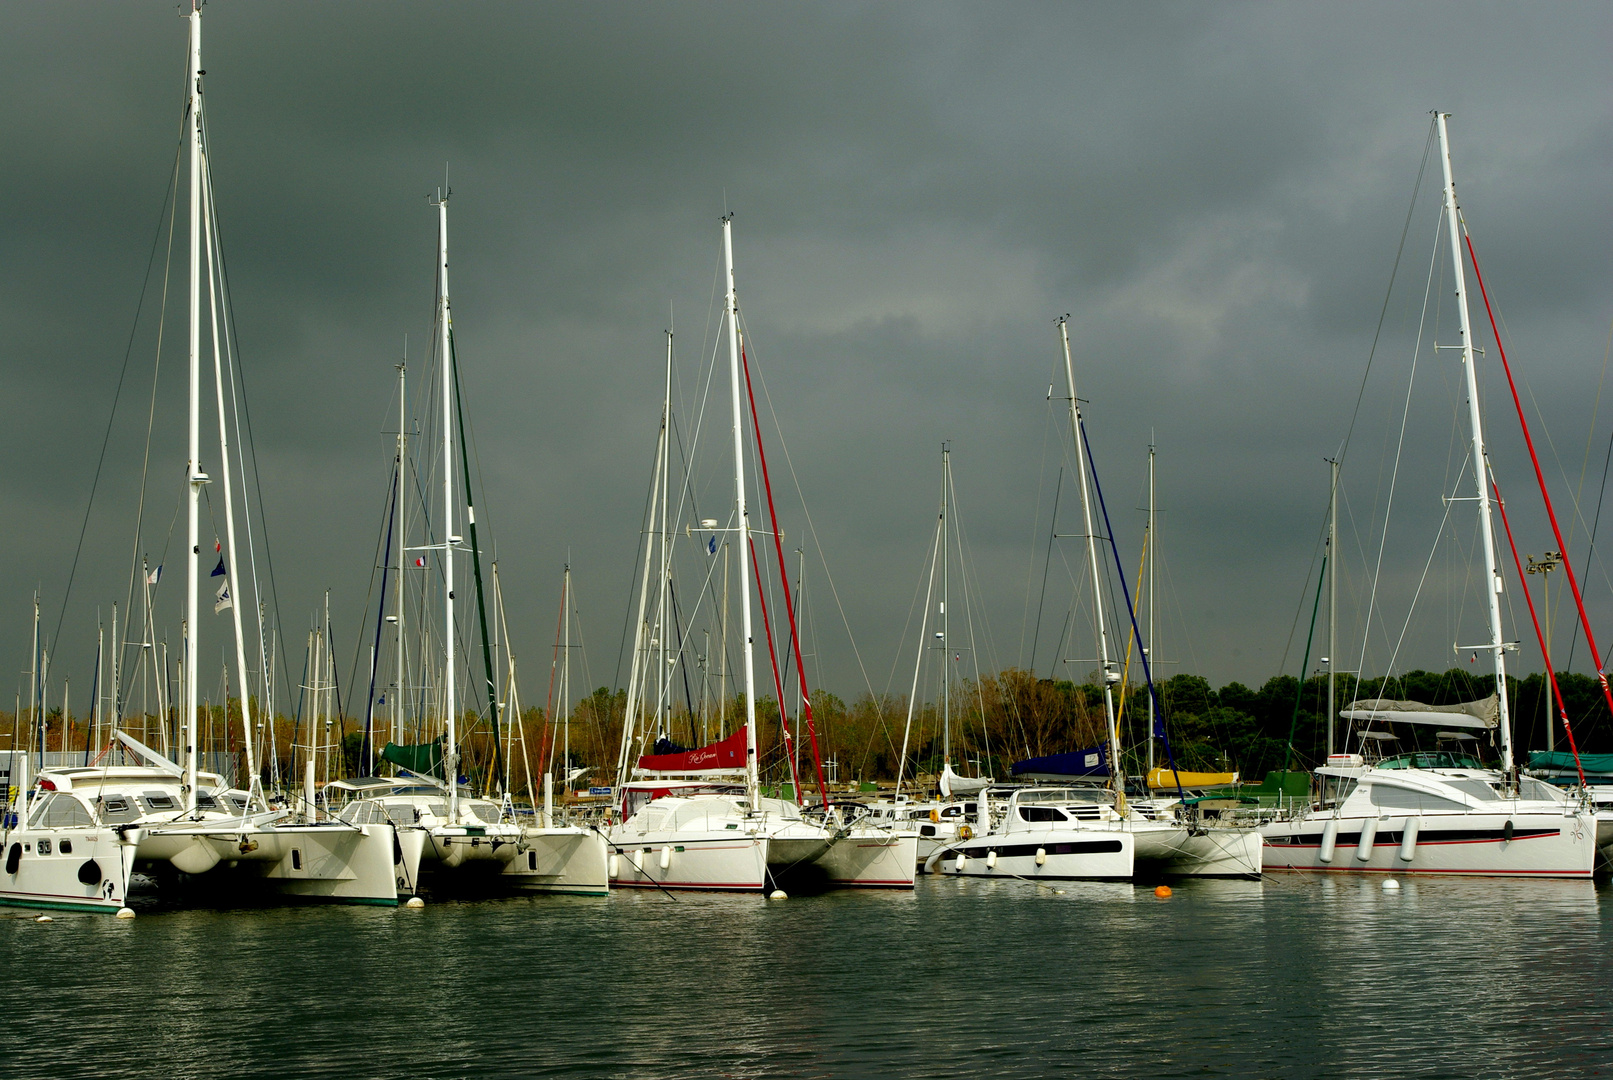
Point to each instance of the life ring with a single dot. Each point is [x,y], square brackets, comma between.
[965,833]
[935,816]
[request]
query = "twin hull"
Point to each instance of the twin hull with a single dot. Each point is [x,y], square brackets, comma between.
[1553,845]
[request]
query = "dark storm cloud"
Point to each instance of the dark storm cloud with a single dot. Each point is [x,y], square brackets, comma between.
[1214,193]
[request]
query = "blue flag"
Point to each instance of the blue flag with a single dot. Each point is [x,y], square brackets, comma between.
[711,546]
[219,571]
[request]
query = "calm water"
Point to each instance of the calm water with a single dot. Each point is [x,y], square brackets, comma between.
[1291,976]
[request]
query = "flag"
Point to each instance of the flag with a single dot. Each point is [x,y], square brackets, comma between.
[219,571]
[223,594]
[420,560]
[711,546]
[151,578]
[217,546]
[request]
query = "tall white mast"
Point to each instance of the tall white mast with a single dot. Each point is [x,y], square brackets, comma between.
[663,718]
[1332,592]
[946,627]
[643,654]
[402,531]
[1481,475]
[231,576]
[752,778]
[450,759]
[1092,559]
[1153,639]
[565,678]
[196,476]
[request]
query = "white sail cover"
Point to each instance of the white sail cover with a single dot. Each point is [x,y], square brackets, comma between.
[1484,714]
[953,784]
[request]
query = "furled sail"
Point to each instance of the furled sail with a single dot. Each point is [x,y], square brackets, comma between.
[422,758]
[953,784]
[1483,714]
[724,757]
[1090,762]
[1166,777]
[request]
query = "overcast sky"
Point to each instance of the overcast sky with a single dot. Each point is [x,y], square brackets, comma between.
[1214,193]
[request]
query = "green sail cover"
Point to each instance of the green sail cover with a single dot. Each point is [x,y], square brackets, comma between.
[1563,761]
[422,758]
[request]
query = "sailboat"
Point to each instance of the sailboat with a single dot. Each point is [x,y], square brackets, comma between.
[84,830]
[697,819]
[1070,830]
[1440,811]
[465,841]
[935,823]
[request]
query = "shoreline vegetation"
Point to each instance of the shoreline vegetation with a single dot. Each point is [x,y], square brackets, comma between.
[997,720]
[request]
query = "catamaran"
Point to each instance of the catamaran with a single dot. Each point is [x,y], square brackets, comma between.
[697,819]
[452,839]
[1441,811]
[83,831]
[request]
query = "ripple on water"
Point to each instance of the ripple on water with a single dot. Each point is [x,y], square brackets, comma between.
[1290,976]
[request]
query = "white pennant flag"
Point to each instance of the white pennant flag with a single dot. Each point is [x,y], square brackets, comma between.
[224,600]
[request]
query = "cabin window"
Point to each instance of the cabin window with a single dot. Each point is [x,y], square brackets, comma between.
[44,846]
[485,812]
[206,802]
[66,812]
[37,818]
[296,859]
[118,809]
[65,847]
[926,830]
[1530,788]
[1478,789]
[1398,798]
[532,860]
[403,815]
[158,801]
[1041,813]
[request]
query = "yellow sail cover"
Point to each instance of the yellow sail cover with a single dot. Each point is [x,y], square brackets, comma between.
[1163,777]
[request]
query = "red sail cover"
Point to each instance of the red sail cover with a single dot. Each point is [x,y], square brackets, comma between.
[724,756]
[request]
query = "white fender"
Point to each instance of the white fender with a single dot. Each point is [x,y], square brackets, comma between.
[1330,837]
[1041,856]
[614,866]
[1408,840]
[666,857]
[991,860]
[1369,834]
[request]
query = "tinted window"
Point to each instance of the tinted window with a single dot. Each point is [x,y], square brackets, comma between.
[118,809]
[66,812]
[1396,798]
[1041,813]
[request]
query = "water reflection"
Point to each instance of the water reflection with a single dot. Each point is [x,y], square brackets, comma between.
[1289,976]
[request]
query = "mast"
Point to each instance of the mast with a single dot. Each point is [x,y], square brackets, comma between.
[1153,640]
[403,478]
[197,477]
[946,628]
[1480,471]
[663,719]
[1332,593]
[231,580]
[752,778]
[565,677]
[1092,559]
[451,750]
[642,652]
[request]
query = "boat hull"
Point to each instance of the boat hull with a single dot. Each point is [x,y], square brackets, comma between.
[60,881]
[560,860]
[871,859]
[716,862]
[1471,845]
[1051,855]
[1178,851]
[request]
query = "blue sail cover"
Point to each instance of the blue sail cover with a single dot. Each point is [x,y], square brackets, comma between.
[1090,762]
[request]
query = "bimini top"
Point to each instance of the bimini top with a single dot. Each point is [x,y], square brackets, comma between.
[1484,714]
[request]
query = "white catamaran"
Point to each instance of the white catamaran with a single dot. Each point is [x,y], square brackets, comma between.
[1441,812]
[85,830]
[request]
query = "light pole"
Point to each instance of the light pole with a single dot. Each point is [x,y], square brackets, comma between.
[1548,562]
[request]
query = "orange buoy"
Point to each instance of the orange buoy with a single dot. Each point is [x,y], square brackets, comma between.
[1162,891]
